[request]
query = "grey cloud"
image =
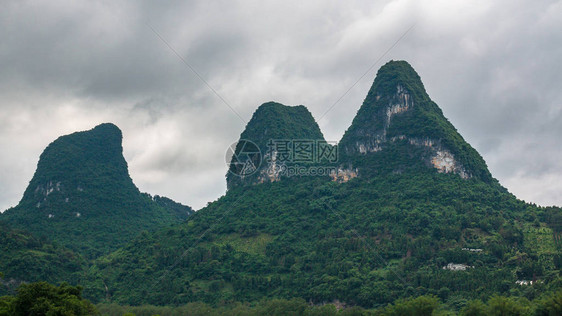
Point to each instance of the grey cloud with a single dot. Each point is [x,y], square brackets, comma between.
[493,67]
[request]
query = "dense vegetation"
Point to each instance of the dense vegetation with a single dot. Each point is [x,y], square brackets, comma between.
[42,298]
[549,304]
[83,198]
[25,257]
[365,242]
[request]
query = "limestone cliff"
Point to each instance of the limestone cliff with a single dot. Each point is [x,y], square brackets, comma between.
[398,112]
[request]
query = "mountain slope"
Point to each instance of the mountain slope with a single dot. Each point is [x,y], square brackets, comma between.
[24,258]
[82,196]
[402,227]
[399,117]
[257,156]
[363,242]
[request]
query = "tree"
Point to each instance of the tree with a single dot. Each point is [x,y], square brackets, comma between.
[499,305]
[551,305]
[42,298]
[474,308]
[419,306]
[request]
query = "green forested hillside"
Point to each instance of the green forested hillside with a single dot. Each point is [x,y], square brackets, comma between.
[82,197]
[409,222]
[25,258]
[416,212]
[364,242]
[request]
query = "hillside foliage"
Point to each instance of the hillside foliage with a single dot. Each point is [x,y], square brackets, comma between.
[364,242]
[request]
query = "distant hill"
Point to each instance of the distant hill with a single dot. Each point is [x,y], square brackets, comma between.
[82,197]
[410,209]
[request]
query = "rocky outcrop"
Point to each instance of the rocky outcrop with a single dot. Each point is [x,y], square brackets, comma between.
[398,113]
[441,159]
[269,146]
[343,175]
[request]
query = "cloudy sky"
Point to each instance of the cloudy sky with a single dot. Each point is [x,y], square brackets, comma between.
[495,68]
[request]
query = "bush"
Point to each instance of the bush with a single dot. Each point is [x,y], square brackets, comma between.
[42,298]
[420,306]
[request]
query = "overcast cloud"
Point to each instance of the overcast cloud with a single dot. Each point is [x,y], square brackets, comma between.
[495,68]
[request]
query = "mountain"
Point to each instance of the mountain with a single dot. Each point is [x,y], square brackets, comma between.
[399,127]
[412,210]
[82,197]
[266,146]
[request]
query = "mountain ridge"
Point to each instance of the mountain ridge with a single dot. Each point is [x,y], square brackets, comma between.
[395,227]
[398,127]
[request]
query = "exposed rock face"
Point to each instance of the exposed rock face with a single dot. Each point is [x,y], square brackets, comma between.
[445,162]
[402,101]
[372,140]
[275,130]
[397,110]
[442,159]
[457,267]
[396,123]
[48,188]
[344,175]
[272,169]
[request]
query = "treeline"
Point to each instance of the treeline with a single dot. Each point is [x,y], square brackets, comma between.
[42,298]
[550,304]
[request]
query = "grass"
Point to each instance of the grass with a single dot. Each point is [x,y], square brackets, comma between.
[254,245]
[540,239]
